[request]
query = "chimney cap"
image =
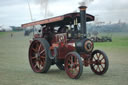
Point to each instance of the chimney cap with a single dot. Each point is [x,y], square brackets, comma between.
[83,7]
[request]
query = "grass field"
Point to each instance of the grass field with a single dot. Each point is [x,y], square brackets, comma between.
[2,33]
[15,68]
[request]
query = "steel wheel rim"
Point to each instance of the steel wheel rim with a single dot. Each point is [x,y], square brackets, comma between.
[37,56]
[72,66]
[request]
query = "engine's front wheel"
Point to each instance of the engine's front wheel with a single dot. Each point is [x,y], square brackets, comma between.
[99,63]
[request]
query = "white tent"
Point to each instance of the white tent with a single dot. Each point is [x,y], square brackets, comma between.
[5,28]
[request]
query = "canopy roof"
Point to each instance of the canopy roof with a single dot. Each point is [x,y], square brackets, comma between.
[60,20]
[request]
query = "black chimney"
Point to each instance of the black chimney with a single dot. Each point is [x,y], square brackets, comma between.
[83,21]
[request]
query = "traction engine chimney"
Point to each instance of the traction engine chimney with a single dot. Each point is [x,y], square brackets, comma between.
[83,21]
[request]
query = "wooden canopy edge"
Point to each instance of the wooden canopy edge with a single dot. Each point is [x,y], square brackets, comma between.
[57,19]
[42,21]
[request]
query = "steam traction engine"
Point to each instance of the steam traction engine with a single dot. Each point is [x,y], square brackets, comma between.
[63,41]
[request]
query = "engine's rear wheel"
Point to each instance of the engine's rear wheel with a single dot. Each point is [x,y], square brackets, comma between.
[38,57]
[73,65]
[99,63]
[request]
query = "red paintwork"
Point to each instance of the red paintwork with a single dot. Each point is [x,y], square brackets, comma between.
[64,46]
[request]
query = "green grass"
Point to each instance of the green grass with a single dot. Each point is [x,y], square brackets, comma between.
[1,33]
[15,68]
[4,33]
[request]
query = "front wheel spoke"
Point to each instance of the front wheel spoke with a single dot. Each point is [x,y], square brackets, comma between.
[94,65]
[102,66]
[102,62]
[97,56]
[99,68]
[102,58]
[93,62]
[94,58]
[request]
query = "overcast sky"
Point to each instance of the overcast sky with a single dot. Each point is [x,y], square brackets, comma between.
[16,12]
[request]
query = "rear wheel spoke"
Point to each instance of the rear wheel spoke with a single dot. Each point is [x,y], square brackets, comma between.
[34,49]
[35,66]
[43,51]
[43,57]
[33,58]
[41,65]
[39,48]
